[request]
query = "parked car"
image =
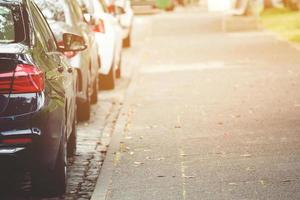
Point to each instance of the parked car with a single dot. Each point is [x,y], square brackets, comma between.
[125,14]
[37,95]
[108,34]
[66,16]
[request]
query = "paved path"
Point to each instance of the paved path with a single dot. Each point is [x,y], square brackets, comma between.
[211,115]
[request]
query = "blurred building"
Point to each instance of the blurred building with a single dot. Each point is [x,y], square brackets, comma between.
[219,5]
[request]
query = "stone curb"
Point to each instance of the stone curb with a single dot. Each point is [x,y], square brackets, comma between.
[104,180]
[106,172]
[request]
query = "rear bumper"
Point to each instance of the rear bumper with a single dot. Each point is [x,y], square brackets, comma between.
[44,127]
[16,157]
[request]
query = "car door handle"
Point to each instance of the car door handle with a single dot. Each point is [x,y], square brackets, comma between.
[70,69]
[60,69]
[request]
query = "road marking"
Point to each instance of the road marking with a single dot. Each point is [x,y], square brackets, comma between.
[166,68]
[183,176]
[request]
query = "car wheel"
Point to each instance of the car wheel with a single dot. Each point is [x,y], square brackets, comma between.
[127,41]
[107,82]
[94,97]
[119,70]
[72,142]
[84,109]
[50,183]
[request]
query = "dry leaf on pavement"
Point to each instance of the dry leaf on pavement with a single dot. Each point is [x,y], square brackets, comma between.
[138,163]
[247,155]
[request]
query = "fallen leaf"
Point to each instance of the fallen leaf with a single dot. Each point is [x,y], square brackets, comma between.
[247,155]
[221,153]
[152,127]
[249,169]
[177,126]
[189,177]
[138,163]
[287,181]
[178,123]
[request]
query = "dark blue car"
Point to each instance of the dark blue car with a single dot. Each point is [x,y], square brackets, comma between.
[37,95]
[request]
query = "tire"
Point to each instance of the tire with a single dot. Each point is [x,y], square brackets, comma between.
[94,97]
[72,142]
[127,41]
[84,110]
[119,70]
[52,183]
[107,82]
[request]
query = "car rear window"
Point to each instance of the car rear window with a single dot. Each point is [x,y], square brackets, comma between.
[11,24]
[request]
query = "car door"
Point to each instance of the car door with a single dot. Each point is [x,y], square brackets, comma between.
[55,61]
[117,32]
[105,39]
[90,40]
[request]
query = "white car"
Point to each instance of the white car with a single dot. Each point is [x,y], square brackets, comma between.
[125,16]
[108,34]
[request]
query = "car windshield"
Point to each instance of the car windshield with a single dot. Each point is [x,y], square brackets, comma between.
[11,24]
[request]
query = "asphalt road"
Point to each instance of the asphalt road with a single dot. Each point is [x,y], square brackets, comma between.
[213,114]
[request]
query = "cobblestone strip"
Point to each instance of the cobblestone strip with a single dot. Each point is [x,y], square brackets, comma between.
[84,171]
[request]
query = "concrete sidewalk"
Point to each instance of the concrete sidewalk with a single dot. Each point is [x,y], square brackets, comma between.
[209,115]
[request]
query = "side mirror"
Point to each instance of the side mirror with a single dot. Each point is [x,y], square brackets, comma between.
[73,42]
[88,19]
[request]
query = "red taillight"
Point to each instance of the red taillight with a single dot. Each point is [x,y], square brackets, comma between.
[24,79]
[111,8]
[17,141]
[99,28]
[5,82]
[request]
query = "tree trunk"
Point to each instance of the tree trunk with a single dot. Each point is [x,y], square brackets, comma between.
[268,4]
[291,4]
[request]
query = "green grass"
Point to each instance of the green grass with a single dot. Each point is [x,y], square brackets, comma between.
[283,21]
